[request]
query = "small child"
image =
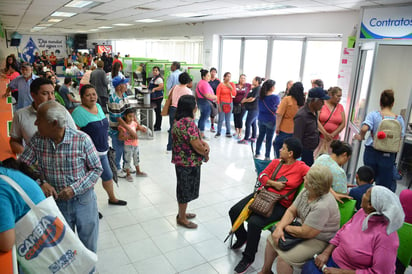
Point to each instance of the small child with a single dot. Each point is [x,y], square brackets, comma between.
[131,148]
[364,178]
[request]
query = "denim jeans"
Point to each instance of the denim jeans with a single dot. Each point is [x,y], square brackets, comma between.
[172,113]
[118,146]
[251,123]
[265,129]
[226,117]
[131,153]
[382,164]
[278,143]
[107,174]
[81,214]
[204,107]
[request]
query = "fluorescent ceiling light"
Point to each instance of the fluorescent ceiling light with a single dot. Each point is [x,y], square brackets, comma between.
[148,20]
[93,29]
[189,14]
[122,24]
[54,20]
[268,7]
[63,14]
[37,28]
[104,27]
[44,25]
[78,4]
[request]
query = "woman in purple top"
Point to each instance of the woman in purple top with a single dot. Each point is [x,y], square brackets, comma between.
[242,90]
[268,104]
[205,96]
[368,243]
[188,152]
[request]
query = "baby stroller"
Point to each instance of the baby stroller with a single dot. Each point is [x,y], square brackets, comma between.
[260,165]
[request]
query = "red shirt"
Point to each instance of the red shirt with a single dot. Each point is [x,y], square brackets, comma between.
[294,173]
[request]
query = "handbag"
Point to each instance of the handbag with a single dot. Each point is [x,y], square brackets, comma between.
[226,108]
[290,241]
[168,103]
[44,241]
[265,200]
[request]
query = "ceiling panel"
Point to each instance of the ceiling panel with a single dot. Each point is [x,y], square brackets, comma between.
[23,15]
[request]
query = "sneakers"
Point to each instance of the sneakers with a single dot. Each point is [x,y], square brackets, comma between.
[245,142]
[217,135]
[242,266]
[121,173]
[228,135]
[238,244]
[212,129]
[129,178]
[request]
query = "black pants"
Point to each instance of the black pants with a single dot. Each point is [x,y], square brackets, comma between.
[238,117]
[307,156]
[158,111]
[255,225]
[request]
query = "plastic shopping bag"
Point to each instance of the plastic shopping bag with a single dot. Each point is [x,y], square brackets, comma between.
[45,243]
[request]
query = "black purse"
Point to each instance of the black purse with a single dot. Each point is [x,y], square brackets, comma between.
[290,241]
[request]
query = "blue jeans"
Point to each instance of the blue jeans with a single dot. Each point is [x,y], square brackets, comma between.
[172,113]
[265,129]
[311,268]
[204,107]
[382,164]
[118,146]
[226,117]
[82,216]
[107,171]
[278,143]
[251,122]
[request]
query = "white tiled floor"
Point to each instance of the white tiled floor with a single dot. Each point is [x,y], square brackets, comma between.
[143,237]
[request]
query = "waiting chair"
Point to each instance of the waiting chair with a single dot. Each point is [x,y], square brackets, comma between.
[405,244]
[347,209]
[59,98]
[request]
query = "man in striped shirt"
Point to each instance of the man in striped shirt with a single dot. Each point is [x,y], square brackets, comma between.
[71,167]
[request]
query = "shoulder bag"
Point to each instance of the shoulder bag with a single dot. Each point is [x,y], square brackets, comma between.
[168,103]
[290,241]
[45,243]
[265,200]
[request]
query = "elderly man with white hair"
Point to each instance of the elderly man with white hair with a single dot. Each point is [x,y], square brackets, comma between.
[71,167]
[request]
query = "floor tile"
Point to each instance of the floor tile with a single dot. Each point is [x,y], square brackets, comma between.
[130,234]
[157,226]
[141,250]
[212,249]
[170,241]
[120,220]
[111,259]
[157,264]
[201,269]
[184,258]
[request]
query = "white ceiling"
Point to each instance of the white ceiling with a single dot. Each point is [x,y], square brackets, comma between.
[23,15]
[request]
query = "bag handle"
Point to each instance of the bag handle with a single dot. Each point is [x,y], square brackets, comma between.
[276,170]
[19,190]
[329,116]
[273,113]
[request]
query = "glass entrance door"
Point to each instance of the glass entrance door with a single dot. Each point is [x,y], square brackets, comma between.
[359,102]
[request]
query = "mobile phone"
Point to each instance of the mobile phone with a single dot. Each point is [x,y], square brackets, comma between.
[282,179]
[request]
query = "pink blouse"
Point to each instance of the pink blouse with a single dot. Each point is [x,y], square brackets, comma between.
[335,120]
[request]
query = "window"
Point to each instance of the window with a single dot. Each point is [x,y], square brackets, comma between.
[286,59]
[254,62]
[230,58]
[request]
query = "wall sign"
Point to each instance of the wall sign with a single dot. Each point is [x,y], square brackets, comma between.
[37,43]
[387,23]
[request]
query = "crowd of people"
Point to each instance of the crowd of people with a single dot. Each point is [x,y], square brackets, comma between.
[69,146]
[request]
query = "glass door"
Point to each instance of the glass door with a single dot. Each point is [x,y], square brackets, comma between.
[359,102]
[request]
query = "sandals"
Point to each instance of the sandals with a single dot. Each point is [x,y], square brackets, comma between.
[188,216]
[141,174]
[189,224]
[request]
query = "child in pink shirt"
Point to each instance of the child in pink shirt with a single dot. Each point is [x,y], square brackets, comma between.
[131,148]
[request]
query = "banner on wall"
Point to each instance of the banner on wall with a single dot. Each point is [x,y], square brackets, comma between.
[101,49]
[387,23]
[30,44]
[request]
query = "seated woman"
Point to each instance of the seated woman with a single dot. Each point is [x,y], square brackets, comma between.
[294,171]
[368,243]
[319,213]
[341,153]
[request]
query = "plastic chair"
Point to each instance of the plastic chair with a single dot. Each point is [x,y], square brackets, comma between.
[405,244]
[59,98]
[347,209]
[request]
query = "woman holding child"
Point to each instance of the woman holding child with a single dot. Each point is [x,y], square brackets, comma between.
[90,118]
[293,172]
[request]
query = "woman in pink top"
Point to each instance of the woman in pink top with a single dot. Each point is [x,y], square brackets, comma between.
[205,97]
[331,121]
[225,93]
[368,243]
[178,91]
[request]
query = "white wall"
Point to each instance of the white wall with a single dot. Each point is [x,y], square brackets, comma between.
[5,51]
[331,23]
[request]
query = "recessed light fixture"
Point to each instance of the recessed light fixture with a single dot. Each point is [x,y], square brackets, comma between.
[122,24]
[54,20]
[63,14]
[105,27]
[78,4]
[148,20]
[189,14]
